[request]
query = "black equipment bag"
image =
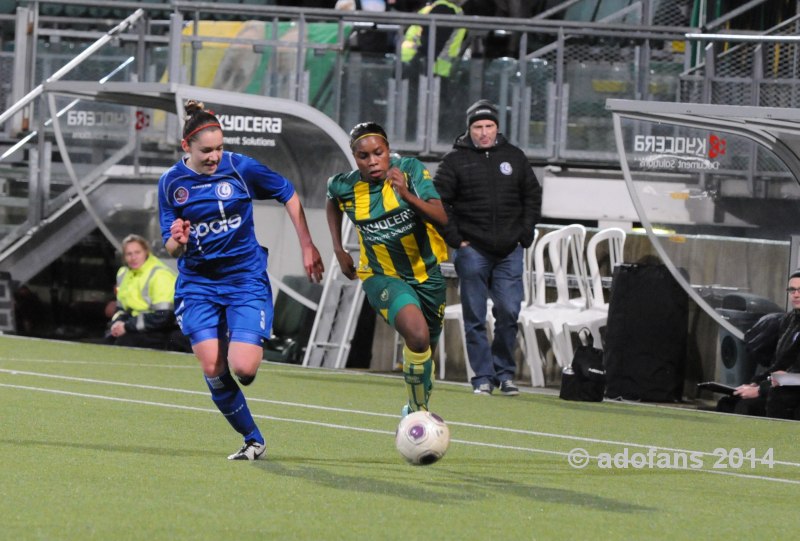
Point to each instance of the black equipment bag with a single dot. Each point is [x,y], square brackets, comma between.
[646,334]
[585,378]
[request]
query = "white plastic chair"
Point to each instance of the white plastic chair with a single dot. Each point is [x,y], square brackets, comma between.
[454,312]
[596,316]
[527,271]
[565,253]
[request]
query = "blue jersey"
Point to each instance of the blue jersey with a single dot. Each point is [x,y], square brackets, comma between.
[222,249]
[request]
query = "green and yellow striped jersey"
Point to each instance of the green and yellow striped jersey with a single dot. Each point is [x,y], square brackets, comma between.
[394,239]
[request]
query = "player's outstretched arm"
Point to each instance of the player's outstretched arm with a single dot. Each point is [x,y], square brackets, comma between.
[312,261]
[334,215]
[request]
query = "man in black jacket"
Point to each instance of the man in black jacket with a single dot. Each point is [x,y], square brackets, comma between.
[493,202]
[765,394]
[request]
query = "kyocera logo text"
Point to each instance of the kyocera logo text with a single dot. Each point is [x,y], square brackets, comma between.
[251,124]
[713,147]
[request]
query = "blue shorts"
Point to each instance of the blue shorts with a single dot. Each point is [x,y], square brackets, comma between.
[241,316]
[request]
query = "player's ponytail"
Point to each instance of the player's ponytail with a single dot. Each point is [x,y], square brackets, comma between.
[197,119]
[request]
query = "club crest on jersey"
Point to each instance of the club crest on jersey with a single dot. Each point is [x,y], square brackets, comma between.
[384,295]
[224,190]
[181,195]
[506,168]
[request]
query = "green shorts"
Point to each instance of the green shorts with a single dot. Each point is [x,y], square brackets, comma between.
[387,295]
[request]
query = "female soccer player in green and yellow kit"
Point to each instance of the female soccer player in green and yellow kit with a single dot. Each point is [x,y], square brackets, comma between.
[394,206]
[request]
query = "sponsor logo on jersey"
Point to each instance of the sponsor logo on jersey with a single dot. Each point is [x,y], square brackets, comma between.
[224,190]
[388,228]
[181,195]
[223,224]
[506,168]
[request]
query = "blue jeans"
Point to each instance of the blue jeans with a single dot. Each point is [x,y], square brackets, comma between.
[483,276]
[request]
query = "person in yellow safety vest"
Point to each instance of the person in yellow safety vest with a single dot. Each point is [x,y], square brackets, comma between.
[447,47]
[144,315]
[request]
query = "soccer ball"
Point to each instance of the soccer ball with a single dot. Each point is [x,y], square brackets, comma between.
[422,438]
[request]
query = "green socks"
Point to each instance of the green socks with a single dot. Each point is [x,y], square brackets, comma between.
[418,373]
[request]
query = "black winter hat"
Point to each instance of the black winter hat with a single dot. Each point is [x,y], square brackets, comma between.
[481,110]
[795,274]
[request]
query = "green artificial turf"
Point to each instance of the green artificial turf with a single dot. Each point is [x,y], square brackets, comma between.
[100,442]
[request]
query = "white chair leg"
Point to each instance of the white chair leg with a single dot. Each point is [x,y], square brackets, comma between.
[442,352]
[569,351]
[533,356]
[470,373]
[562,349]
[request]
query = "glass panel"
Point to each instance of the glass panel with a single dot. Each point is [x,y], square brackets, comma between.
[264,70]
[366,95]
[295,147]
[538,91]
[454,102]
[595,73]
[94,133]
[52,56]
[688,182]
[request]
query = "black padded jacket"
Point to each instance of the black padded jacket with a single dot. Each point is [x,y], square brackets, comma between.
[492,196]
[787,351]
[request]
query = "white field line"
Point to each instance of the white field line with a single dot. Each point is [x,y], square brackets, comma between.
[191,363]
[359,412]
[369,430]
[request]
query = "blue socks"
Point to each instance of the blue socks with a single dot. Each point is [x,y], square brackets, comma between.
[231,402]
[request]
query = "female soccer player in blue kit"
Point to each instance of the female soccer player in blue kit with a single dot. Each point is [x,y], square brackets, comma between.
[395,208]
[223,297]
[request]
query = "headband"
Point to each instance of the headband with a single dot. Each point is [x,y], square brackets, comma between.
[204,126]
[368,135]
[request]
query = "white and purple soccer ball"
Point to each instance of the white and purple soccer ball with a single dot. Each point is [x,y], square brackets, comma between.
[422,438]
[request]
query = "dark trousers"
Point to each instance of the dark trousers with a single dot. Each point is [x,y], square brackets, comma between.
[780,403]
[167,340]
[743,406]
[482,276]
[784,402]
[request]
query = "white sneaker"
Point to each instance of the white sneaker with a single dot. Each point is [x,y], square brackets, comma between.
[483,389]
[251,450]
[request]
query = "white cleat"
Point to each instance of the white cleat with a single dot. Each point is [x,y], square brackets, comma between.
[251,450]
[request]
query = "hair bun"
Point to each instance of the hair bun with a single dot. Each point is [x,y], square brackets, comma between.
[193,107]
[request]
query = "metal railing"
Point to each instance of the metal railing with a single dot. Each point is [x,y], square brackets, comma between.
[551,89]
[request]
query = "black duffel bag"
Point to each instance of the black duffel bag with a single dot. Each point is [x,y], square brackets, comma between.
[646,337]
[585,378]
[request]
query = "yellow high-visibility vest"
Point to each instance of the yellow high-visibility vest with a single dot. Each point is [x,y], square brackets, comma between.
[413,40]
[148,288]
